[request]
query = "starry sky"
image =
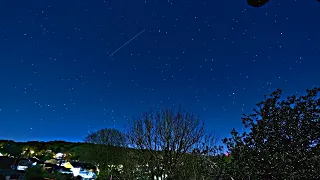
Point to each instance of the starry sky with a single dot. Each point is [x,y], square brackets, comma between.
[214,58]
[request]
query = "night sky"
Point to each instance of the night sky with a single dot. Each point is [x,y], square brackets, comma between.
[214,58]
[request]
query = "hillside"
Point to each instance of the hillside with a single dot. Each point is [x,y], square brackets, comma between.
[46,150]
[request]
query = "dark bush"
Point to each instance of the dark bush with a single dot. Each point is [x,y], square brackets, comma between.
[2,177]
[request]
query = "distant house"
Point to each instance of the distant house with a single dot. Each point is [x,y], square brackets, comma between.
[59,155]
[24,164]
[77,169]
[67,165]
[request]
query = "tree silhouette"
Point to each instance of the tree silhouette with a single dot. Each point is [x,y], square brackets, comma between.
[260,3]
[11,149]
[257,3]
[106,149]
[283,142]
[166,140]
[110,137]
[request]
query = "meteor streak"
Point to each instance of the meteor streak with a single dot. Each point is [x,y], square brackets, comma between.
[127,42]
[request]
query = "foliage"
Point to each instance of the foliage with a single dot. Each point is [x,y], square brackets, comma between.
[35,173]
[11,149]
[206,166]
[283,142]
[260,3]
[106,150]
[2,177]
[38,173]
[6,162]
[82,152]
[257,3]
[108,137]
[45,150]
[59,176]
[46,156]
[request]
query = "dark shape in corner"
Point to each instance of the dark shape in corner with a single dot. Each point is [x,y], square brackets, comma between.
[258,3]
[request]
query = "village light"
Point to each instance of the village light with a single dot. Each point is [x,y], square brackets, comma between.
[59,155]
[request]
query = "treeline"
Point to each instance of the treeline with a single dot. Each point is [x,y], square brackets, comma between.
[47,150]
[261,3]
[281,142]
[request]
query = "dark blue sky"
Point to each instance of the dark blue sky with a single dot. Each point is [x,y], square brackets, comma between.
[215,58]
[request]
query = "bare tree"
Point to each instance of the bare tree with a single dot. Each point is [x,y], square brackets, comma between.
[166,140]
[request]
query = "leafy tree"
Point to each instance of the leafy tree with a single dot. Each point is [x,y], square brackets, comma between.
[283,142]
[47,156]
[260,3]
[11,149]
[207,164]
[35,173]
[257,3]
[83,152]
[109,137]
[164,140]
[70,155]
[40,153]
